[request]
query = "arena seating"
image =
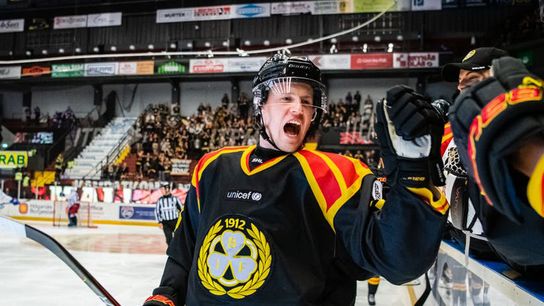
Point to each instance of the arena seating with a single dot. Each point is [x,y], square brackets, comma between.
[103,149]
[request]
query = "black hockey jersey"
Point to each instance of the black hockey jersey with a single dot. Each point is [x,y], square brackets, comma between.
[298,229]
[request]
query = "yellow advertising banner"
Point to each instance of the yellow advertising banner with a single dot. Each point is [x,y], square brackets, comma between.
[13,159]
[145,67]
[371,6]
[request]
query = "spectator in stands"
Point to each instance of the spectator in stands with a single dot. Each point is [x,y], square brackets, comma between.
[225,101]
[243,105]
[59,167]
[357,98]
[37,114]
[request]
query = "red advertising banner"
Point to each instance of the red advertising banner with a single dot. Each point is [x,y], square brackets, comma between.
[36,71]
[372,61]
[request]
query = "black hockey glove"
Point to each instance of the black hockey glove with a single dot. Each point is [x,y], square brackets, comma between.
[410,132]
[489,123]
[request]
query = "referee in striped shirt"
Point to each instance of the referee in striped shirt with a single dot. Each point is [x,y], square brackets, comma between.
[167,212]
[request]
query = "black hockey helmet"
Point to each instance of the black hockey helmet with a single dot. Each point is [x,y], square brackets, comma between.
[297,69]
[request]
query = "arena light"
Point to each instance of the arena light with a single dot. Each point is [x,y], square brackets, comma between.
[377,38]
[207,44]
[266,42]
[190,45]
[10,52]
[61,50]
[355,38]
[131,47]
[173,45]
[288,41]
[150,47]
[44,52]
[400,37]
[225,43]
[78,50]
[113,48]
[96,49]
[247,43]
[28,53]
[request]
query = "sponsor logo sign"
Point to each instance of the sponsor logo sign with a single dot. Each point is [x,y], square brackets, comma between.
[251,10]
[332,61]
[292,8]
[10,72]
[220,65]
[180,166]
[104,20]
[136,213]
[100,69]
[416,60]
[13,159]
[171,67]
[212,12]
[12,25]
[207,65]
[34,71]
[372,61]
[325,7]
[174,15]
[67,70]
[134,68]
[426,5]
[244,64]
[368,6]
[70,22]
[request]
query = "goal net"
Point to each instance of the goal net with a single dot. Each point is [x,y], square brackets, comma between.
[84,214]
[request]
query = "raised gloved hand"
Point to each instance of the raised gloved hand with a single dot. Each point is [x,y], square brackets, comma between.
[14,201]
[409,132]
[489,123]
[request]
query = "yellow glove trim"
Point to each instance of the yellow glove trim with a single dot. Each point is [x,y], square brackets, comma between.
[535,188]
[440,204]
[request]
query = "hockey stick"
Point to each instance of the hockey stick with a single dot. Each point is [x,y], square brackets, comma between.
[23,230]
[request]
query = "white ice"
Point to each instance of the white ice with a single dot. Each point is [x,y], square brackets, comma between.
[127,260]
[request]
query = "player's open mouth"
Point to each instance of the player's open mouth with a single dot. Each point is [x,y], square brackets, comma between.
[292,128]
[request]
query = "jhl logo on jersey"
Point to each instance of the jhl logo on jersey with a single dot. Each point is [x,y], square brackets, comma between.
[234,258]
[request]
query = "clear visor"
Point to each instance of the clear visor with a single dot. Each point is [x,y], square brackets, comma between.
[282,89]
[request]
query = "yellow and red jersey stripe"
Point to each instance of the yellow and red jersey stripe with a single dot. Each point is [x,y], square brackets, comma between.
[333,179]
[205,161]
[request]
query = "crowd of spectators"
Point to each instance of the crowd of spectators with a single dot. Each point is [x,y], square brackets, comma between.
[163,135]
[350,114]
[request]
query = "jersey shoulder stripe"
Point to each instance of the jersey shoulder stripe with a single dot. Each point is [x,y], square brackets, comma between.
[446,139]
[333,179]
[205,161]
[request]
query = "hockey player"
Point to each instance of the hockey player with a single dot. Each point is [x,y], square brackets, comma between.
[505,228]
[277,224]
[72,208]
[6,199]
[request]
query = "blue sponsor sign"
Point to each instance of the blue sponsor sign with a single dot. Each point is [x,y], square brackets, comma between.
[250,10]
[136,213]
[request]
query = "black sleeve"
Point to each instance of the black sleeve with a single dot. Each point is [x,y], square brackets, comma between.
[400,241]
[180,253]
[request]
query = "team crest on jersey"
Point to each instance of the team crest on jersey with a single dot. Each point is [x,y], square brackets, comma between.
[234,258]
